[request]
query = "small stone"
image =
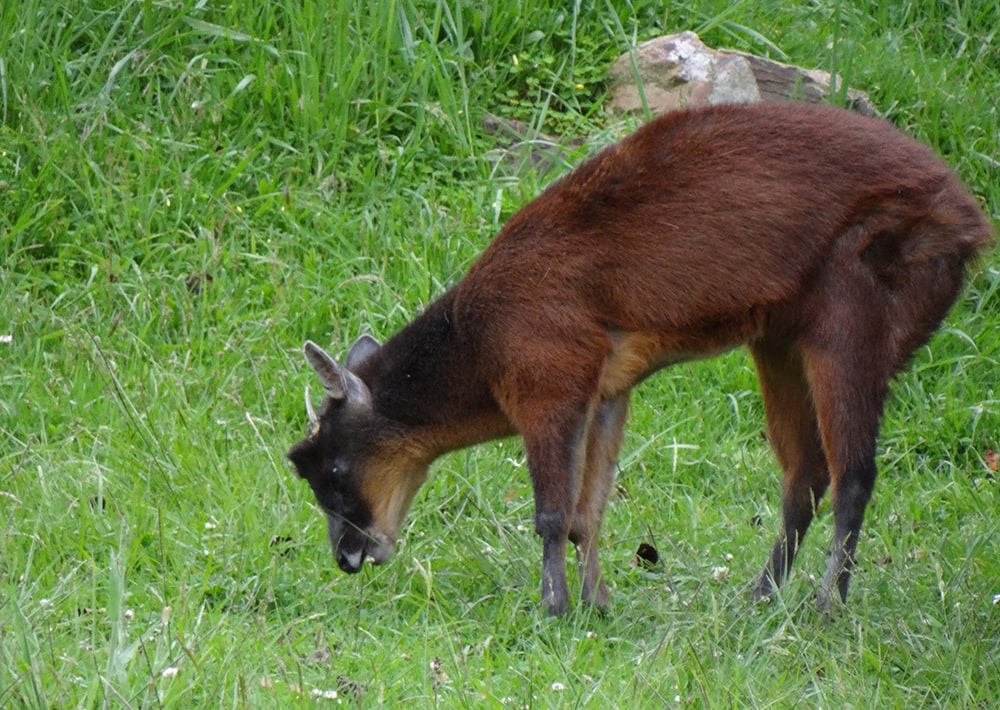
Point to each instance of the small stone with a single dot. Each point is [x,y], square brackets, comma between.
[679,71]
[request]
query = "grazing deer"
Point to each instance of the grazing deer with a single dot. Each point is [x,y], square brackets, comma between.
[828,243]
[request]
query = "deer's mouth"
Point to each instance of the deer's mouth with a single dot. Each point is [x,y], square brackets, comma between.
[352,546]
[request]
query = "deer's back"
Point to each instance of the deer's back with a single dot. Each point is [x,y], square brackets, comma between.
[702,216]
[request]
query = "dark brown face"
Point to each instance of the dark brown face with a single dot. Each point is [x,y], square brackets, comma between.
[330,474]
[362,477]
[331,460]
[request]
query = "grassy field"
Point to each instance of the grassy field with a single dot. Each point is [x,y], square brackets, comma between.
[188,190]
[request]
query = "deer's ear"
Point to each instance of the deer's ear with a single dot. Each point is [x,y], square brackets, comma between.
[307,457]
[363,349]
[338,381]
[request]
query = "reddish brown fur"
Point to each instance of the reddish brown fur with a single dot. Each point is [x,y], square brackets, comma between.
[829,243]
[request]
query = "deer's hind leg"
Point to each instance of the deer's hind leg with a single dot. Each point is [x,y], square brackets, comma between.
[794,435]
[849,404]
[850,360]
[604,439]
[851,350]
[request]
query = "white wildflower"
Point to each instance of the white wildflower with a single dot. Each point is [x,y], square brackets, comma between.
[324,694]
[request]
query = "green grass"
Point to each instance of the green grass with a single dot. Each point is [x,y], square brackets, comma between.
[317,170]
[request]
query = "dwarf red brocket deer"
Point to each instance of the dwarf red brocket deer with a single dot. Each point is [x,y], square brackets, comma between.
[828,243]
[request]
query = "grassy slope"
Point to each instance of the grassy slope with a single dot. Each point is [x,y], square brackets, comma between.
[188,191]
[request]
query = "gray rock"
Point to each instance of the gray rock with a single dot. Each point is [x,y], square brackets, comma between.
[678,71]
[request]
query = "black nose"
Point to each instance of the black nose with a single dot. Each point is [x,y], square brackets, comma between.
[350,561]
